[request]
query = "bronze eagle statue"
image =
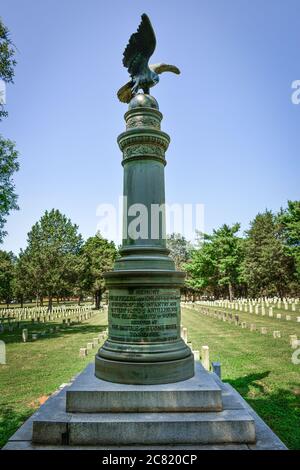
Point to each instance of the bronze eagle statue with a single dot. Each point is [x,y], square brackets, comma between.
[136,57]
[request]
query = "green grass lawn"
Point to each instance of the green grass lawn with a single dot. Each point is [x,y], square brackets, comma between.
[36,369]
[257,365]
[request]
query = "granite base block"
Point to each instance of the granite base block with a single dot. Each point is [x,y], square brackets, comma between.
[88,394]
[236,427]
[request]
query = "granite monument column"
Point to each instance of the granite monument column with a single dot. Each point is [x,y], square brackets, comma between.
[144,345]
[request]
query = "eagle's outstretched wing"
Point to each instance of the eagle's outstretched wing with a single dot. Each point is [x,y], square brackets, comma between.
[140,48]
[160,68]
[125,93]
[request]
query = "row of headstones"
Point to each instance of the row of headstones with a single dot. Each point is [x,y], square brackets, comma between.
[249,309]
[11,326]
[253,327]
[79,315]
[60,308]
[35,336]
[269,300]
[245,305]
[202,356]
[28,313]
[65,323]
[83,352]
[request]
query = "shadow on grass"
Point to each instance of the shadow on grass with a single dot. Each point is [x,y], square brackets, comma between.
[242,384]
[16,336]
[280,409]
[10,421]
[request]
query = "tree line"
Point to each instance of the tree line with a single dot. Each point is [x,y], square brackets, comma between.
[263,262]
[56,264]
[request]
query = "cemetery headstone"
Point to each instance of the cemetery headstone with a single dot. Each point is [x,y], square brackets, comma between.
[216,367]
[295,343]
[205,357]
[184,335]
[83,352]
[271,312]
[293,338]
[25,335]
[196,355]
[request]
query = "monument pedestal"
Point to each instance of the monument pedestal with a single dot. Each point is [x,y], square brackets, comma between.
[102,413]
[198,413]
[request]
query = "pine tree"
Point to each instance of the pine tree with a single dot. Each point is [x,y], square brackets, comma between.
[268,268]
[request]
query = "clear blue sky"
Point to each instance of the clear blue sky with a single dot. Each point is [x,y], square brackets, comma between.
[234,129]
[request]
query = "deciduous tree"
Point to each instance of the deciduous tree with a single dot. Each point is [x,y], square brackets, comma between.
[98,255]
[7,267]
[8,154]
[8,166]
[180,249]
[51,259]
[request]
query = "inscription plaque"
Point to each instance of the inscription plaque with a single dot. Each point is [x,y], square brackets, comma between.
[144,315]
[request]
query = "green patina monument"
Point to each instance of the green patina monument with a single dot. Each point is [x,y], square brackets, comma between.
[144,344]
[130,398]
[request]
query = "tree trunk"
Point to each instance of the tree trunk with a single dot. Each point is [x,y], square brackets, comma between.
[230,288]
[49,309]
[98,297]
[22,300]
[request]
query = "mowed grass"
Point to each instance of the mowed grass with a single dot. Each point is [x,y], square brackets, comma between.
[257,365]
[36,369]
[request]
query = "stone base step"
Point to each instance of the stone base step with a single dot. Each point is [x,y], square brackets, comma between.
[52,424]
[88,394]
[228,426]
